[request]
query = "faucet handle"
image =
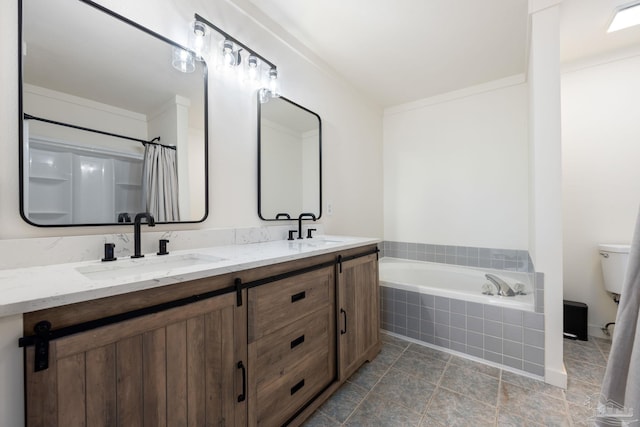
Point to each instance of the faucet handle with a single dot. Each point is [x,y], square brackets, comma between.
[309,231]
[291,234]
[163,247]
[108,252]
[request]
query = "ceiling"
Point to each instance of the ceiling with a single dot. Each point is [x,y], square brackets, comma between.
[398,51]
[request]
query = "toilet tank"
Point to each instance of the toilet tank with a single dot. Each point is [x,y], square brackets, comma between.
[614,259]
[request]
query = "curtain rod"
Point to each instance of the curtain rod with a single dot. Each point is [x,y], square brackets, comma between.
[142,141]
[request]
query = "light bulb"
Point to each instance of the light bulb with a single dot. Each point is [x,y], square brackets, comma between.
[253,68]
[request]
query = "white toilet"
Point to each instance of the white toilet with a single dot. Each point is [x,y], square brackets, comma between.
[614,259]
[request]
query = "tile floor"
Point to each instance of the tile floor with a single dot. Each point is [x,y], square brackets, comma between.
[411,385]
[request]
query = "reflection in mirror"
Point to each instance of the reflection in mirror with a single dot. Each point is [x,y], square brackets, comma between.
[109,127]
[289,161]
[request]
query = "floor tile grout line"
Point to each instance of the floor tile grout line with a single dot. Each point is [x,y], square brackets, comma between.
[346,420]
[568,407]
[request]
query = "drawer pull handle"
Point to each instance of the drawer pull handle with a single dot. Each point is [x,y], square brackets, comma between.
[297,341]
[344,313]
[297,387]
[298,296]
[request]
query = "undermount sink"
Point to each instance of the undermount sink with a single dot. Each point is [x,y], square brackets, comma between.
[318,241]
[131,266]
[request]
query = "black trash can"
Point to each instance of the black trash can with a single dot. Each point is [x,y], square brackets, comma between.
[575,320]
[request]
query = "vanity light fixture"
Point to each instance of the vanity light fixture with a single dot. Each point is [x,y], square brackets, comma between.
[625,16]
[256,69]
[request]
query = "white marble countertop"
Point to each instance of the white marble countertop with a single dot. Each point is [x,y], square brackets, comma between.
[35,288]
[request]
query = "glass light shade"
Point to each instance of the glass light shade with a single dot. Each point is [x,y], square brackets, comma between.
[199,39]
[252,71]
[273,82]
[229,56]
[182,60]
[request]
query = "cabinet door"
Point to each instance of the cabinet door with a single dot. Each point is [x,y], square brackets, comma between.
[178,367]
[358,313]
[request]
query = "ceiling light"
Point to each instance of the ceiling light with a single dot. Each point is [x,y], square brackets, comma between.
[625,17]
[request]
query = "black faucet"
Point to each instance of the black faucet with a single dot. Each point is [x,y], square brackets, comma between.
[136,231]
[303,215]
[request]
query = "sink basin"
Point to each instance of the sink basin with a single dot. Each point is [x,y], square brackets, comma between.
[319,242]
[129,266]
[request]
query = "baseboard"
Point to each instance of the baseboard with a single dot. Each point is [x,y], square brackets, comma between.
[555,377]
[596,331]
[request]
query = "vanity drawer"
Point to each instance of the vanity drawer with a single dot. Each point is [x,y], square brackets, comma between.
[279,352]
[280,303]
[278,400]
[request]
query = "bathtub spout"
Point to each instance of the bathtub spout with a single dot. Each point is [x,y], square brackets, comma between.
[503,288]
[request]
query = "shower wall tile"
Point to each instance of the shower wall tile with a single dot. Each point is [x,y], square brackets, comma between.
[502,259]
[474,309]
[513,333]
[492,312]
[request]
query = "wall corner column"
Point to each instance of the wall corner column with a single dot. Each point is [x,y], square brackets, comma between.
[545,170]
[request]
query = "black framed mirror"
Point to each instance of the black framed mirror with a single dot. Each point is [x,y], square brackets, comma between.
[289,159]
[108,126]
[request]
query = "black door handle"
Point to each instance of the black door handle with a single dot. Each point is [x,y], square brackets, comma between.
[243,395]
[344,314]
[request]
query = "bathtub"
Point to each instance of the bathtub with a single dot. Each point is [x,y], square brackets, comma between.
[442,305]
[453,281]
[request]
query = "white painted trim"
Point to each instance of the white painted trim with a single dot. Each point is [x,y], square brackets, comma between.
[556,378]
[538,5]
[514,80]
[595,61]
[71,99]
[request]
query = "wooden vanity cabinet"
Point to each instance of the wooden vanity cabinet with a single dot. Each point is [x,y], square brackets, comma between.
[178,367]
[266,356]
[358,313]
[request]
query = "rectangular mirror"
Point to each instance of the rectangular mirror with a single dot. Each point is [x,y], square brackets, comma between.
[289,159]
[109,127]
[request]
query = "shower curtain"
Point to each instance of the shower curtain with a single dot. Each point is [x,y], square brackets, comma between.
[160,182]
[620,394]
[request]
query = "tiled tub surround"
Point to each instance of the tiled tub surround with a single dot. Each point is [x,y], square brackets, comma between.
[506,336]
[500,259]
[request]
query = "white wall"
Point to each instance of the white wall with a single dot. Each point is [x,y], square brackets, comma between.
[455,168]
[352,129]
[601,174]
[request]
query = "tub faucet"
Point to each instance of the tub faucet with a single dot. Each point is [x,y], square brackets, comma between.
[503,288]
[303,215]
[136,231]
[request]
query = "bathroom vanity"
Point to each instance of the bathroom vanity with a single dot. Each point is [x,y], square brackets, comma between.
[257,334]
